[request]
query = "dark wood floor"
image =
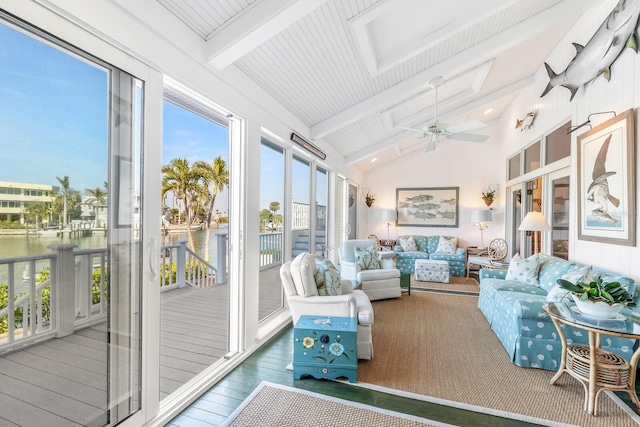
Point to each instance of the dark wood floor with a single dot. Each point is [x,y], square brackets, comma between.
[269,364]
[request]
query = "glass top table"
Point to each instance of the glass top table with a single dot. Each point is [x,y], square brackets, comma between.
[595,368]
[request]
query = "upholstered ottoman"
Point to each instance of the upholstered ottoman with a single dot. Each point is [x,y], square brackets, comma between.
[430,270]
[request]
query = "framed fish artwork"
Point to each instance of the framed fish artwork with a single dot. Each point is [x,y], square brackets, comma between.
[427,207]
[607,182]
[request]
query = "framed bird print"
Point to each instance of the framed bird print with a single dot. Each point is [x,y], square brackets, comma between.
[606,182]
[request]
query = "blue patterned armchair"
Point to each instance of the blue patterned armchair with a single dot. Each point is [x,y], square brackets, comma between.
[427,249]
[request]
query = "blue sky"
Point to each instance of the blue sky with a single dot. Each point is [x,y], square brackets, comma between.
[52,113]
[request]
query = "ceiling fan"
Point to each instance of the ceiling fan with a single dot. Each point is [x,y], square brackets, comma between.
[436,130]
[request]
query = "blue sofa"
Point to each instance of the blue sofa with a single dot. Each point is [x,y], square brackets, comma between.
[514,311]
[427,245]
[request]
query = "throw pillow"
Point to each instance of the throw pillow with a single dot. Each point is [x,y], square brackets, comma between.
[524,270]
[408,243]
[574,275]
[447,245]
[303,268]
[367,258]
[328,278]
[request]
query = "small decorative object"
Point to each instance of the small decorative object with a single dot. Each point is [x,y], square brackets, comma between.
[488,196]
[369,199]
[598,298]
[526,122]
[617,32]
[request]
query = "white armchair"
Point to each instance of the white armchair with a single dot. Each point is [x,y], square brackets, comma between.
[377,283]
[302,297]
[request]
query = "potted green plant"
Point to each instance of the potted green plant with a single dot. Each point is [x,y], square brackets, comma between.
[488,197]
[598,298]
[369,199]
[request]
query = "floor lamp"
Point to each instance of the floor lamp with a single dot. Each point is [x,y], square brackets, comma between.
[389,217]
[534,221]
[479,218]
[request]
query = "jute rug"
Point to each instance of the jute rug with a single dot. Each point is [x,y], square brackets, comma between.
[279,405]
[456,285]
[440,346]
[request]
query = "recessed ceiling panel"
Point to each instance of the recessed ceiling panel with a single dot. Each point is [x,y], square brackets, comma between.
[393,31]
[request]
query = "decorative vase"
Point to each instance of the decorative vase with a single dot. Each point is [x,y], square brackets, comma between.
[598,308]
[488,202]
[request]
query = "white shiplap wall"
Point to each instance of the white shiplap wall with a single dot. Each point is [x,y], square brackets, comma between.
[619,94]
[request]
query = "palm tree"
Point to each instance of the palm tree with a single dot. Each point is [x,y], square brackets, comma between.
[95,197]
[274,207]
[64,183]
[215,177]
[179,178]
[36,211]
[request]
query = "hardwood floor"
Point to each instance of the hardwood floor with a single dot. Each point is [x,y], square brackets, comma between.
[269,364]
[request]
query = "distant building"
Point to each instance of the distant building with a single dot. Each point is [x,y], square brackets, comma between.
[15,196]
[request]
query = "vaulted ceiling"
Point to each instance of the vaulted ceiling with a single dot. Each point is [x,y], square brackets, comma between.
[357,72]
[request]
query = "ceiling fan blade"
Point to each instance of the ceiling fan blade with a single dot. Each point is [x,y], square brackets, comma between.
[469,137]
[431,145]
[463,127]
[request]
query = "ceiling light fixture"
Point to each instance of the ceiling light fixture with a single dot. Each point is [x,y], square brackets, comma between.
[308,146]
[490,110]
[373,160]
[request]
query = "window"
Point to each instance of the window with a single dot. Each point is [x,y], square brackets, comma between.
[514,166]
[68,104]
[532,157]
[558,144]
[272,209]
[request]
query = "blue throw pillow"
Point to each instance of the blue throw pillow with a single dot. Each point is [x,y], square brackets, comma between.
[327,279]
[524,270]
[367,259]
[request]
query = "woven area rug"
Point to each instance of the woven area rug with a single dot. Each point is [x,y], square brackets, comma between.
[456,285]
[279,405]
[440,346]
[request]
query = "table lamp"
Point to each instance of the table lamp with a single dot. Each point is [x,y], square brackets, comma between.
[479,218]
[534,221]
[389,216]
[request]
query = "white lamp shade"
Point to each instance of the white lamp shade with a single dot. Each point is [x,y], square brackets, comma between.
[481,215]
[534,221]
[388,215]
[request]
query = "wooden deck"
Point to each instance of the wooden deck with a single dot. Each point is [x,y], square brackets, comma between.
[63,382]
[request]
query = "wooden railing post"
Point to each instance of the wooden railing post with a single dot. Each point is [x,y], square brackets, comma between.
[65,287]
[181,263]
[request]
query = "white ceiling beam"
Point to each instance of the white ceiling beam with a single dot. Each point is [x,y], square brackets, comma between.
[469,58]
[449,116]
[254,27]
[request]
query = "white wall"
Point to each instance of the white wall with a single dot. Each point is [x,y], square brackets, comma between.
[622,92]
[469,166]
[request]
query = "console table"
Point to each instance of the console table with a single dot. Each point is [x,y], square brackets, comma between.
[595,368]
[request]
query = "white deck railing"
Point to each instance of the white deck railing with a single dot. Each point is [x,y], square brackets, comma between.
[180,267]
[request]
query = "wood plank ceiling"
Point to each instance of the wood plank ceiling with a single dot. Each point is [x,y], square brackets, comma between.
[357,72]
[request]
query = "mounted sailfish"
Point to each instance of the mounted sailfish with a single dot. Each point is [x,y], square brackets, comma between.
[618,31]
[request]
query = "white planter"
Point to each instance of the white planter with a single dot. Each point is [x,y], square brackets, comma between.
[598,308]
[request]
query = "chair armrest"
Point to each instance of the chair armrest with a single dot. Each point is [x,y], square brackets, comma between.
[397,248]
[461,251]
[349,270]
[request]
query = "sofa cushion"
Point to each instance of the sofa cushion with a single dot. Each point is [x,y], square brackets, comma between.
[551,269]
[303,269]
[327,278]
[367,258]
[490,286]
[447,245]
[577,273]
[524,270]
[407,243]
